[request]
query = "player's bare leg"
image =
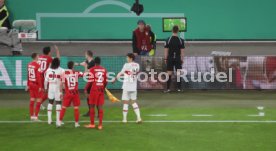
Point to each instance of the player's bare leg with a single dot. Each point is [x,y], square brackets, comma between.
[92,117]
[100,114]
[125,111]
[137,112]
[49,112]
[77,115]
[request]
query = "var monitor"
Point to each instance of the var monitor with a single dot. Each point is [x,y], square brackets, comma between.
[168,24]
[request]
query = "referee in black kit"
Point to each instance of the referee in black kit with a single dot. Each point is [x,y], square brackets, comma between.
[174,55]
[88,63]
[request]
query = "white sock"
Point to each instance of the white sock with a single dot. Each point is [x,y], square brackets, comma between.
[49,113]
[58,108]
[125,110]
[136,110]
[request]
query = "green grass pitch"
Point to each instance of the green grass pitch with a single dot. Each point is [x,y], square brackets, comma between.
[229,122]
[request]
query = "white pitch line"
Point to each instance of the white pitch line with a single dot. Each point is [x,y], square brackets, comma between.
[162,121]
[158,115]
[256,115]
[199,115]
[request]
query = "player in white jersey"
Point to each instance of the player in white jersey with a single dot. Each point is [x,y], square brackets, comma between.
[53,83]
[130,71]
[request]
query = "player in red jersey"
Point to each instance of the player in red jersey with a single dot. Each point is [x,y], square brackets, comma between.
[34,86]
[44,61]
[70,82]
[97,82]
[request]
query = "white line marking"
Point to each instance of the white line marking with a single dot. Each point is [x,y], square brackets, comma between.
[163,121]
[157,115]
[256,115]
[261,114]
[199,115]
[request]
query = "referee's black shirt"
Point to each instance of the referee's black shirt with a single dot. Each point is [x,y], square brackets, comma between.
[174,44]
[90,64]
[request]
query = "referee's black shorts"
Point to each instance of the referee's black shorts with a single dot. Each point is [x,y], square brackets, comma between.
[174,64]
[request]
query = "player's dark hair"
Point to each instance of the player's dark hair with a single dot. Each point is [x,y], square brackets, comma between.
[97,60]
[89,53]
[175,29]
[46,50]
[131,55]
[34,55]
[55,63]
[70,65]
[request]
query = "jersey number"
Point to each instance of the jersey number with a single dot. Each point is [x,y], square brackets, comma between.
[71,82]
[100,78]
[31,73]
[43,65]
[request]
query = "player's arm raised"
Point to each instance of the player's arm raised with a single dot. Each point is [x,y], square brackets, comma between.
[57,51]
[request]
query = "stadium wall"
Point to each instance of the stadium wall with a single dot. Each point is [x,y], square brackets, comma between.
[112,20]
[241,72]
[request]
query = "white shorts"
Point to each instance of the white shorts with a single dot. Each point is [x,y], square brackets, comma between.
[129,95]
[54,95]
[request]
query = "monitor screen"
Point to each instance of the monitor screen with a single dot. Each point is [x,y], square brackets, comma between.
[168,24]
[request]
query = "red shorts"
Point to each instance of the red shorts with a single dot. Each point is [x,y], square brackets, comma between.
[34,91]
[96,98]
[71,99]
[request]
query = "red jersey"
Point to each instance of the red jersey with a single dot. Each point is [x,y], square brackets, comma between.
[34,74]
[71,81]
[44,61]
[97,79]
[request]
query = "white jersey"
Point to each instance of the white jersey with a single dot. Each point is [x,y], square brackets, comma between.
[53,77]
[130,71]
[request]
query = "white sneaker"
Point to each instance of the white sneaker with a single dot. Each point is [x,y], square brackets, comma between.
[32,118]
[139,121]
[49,121]
[77,125]
[61,122]
[35,119]
[124,121]
[58,124]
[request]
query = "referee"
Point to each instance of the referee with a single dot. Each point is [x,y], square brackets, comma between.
[174,55]
[88,63]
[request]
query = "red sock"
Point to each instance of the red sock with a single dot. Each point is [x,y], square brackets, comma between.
[92,116]
[101,116]
[31,108]
[62,113]
[37,108]
[77,114]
